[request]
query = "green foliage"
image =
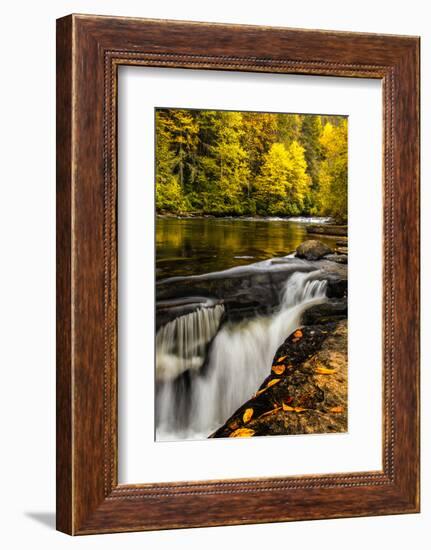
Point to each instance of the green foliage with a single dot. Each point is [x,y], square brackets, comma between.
[234,163]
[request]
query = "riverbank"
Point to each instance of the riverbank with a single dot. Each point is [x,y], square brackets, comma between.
[245,217]
[306,390]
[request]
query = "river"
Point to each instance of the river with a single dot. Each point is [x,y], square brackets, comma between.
[206,368]
[193,246]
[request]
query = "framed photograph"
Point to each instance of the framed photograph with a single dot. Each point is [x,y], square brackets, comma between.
[237,274]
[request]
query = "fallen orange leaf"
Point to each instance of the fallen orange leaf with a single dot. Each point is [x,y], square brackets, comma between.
[270,383]
[242,432]
[324,370]
[246,417]
[287,408]
[297,334]
[280,359]
[337,409]
[278,369]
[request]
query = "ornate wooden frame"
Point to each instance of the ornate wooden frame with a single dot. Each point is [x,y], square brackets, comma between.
[89,51]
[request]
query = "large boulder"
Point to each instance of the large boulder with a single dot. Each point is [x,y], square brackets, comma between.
[312,250]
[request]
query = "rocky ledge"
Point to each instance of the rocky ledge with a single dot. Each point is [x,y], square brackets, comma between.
[306,390]
[254,289]
[327,229]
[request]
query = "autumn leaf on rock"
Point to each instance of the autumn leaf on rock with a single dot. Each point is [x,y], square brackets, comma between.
[280,359]
[242,432]
[297,335]
[324,370]
[270,383]
[288,408]
[337,409]
[246,417]
[278,369]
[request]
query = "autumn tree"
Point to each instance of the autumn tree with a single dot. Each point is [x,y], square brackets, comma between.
[181,131]
[234,170]
[311,131]
[282,185]
[169,194]
[259,133]
[333,171]
[289,128]
[233,163]
[222,173]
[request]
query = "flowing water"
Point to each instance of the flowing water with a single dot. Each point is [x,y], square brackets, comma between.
[205,372]
[181,344]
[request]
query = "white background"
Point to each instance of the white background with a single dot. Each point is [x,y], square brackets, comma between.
[141,458]
[27,274]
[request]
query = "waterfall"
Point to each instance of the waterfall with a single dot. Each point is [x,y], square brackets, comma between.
[194,405]
[181,344]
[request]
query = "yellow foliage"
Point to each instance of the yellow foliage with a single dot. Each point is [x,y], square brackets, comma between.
[333,170]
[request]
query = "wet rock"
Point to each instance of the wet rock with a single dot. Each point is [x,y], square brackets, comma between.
[336,287]
[312,250]
[328,312]
[244,291]
[168,310]
[342,250]
[327,229]
[338,258]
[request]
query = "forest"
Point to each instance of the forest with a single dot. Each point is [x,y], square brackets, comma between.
[228,163]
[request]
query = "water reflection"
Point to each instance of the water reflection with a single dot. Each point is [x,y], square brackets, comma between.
[192,246]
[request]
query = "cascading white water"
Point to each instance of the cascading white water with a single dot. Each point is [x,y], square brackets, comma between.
[181,344]
[239,359]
